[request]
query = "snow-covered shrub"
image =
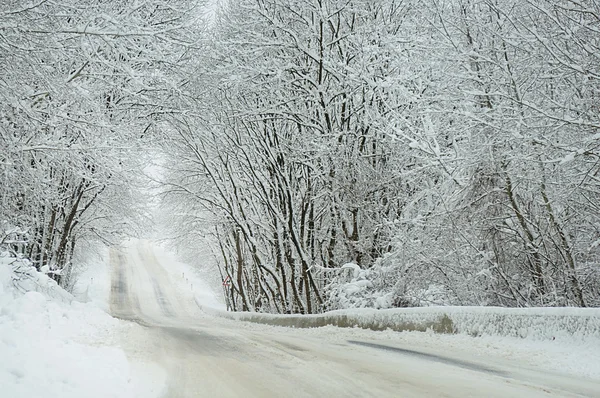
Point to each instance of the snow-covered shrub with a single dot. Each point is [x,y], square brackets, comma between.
[378,287]
[18,275]
[13,239]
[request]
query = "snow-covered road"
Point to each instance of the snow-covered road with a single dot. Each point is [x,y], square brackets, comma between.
[205,356]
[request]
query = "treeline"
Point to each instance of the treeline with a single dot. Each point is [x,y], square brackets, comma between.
[449,149]
[334,153]
[82,86]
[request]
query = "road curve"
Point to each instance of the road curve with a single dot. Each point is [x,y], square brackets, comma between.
[210,357]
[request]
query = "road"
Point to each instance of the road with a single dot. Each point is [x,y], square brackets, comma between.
[204,356]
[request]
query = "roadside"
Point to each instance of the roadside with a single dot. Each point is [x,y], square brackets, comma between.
[52,345]
[564,358]
[565,340]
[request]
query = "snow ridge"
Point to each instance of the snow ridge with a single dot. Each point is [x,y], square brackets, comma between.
[526,323]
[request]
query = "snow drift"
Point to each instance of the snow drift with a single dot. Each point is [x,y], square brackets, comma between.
[51,345]
[531,323]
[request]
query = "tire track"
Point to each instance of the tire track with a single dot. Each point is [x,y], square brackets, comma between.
[163,302]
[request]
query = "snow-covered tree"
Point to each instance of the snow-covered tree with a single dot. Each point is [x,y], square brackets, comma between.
[84,85]
[448,149]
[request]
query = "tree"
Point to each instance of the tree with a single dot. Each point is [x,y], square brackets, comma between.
[85,84]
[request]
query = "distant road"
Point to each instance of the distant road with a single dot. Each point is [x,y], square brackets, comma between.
[210,357]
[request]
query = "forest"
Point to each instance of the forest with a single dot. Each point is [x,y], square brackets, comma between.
[330,153]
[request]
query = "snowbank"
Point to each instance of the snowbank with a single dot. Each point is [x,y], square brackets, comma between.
[530,323]
[93,279]
[26,278]
[54,346]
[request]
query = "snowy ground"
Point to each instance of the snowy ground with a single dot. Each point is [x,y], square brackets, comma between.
[93,279]
[186,278]
[53,346]
[206,356]
[565,340]
[578,359]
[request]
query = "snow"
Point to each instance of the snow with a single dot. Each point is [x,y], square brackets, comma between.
[187,278]
[568,158]
[566,340]
[354,267]
[41,355]
[565,356]
[93,280]
[26,278]
[531,323]
[54,346]
[199,354]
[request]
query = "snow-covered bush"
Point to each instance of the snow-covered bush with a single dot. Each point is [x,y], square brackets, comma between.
[13,239]
[18,275]
[378,287]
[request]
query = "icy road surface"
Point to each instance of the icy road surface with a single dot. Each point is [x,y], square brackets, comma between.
[205,356]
